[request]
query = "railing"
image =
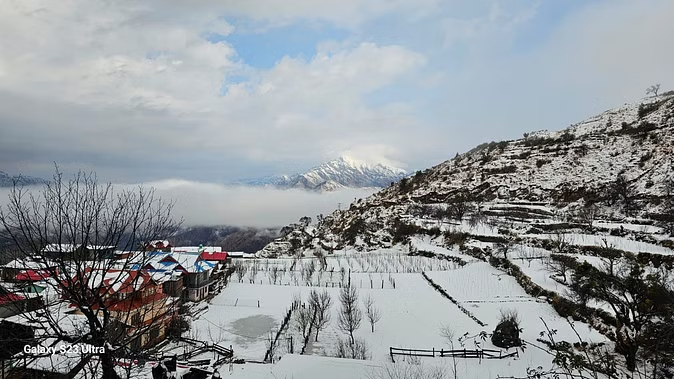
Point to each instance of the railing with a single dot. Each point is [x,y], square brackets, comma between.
[463,353]
[203,347]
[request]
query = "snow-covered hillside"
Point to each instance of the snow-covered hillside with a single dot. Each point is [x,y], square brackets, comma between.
[338,173]
[615,165]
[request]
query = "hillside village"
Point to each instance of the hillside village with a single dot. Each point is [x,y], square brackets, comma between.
[153,286]
[548,256]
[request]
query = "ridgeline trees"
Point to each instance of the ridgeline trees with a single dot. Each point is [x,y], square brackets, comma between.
[653,89]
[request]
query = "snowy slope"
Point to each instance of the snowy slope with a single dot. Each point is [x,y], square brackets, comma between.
[544,175]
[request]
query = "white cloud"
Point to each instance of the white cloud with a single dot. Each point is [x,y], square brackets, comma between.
[345,13]
[152,69]
[137,89]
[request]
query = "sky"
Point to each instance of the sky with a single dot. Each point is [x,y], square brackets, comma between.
[218,91]
[205,91]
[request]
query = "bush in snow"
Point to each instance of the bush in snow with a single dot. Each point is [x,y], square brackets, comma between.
[357,349]
[507,332]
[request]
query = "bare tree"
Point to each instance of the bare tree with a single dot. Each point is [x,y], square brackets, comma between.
[371,312]
[303,321]
[587,214]
[350,315]
[240,270]
[560,265]
[254,269]
[274,274]
[270,343]
[506,246]
[653,89]
[321,302]
[311,268]
[70,229]
[559,241]
[448,334]
[458,204]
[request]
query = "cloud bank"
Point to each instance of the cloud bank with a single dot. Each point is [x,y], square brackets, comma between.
[215,204]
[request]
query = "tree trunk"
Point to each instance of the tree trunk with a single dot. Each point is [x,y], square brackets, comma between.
[628,349]
[631,357]
[108,366]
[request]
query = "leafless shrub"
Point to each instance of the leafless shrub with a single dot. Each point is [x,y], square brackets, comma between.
[509,315]
[357,349]
[371,311]
[407,371]
[448,334]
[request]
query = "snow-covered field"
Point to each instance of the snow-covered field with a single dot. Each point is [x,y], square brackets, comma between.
[616,242]
[413,314]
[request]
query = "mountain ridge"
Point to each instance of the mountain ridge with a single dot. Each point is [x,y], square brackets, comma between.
[8,181]
[619,163]
[343,172]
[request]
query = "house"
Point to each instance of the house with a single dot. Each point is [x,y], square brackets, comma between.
[62,251]
[25,270]
[158,245]
[136,303]
[32,275]
[12,303]
[196,273]
[214,256]
[172,282]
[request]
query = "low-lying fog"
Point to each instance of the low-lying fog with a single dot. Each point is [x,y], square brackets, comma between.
[216,204]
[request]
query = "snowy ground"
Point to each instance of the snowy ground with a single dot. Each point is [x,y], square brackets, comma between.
[253,305]
[616,242]
[413,314]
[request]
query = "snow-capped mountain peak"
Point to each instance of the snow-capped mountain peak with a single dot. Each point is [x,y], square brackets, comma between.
[342,172]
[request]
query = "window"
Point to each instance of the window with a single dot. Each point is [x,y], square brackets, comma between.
[154,333]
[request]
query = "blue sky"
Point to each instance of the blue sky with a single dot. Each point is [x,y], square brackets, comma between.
[218,91]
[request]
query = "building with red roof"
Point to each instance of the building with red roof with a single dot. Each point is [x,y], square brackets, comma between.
[135,300]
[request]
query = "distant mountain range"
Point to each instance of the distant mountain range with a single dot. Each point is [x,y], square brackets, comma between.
[339,173]
[8,181]
[230,238]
